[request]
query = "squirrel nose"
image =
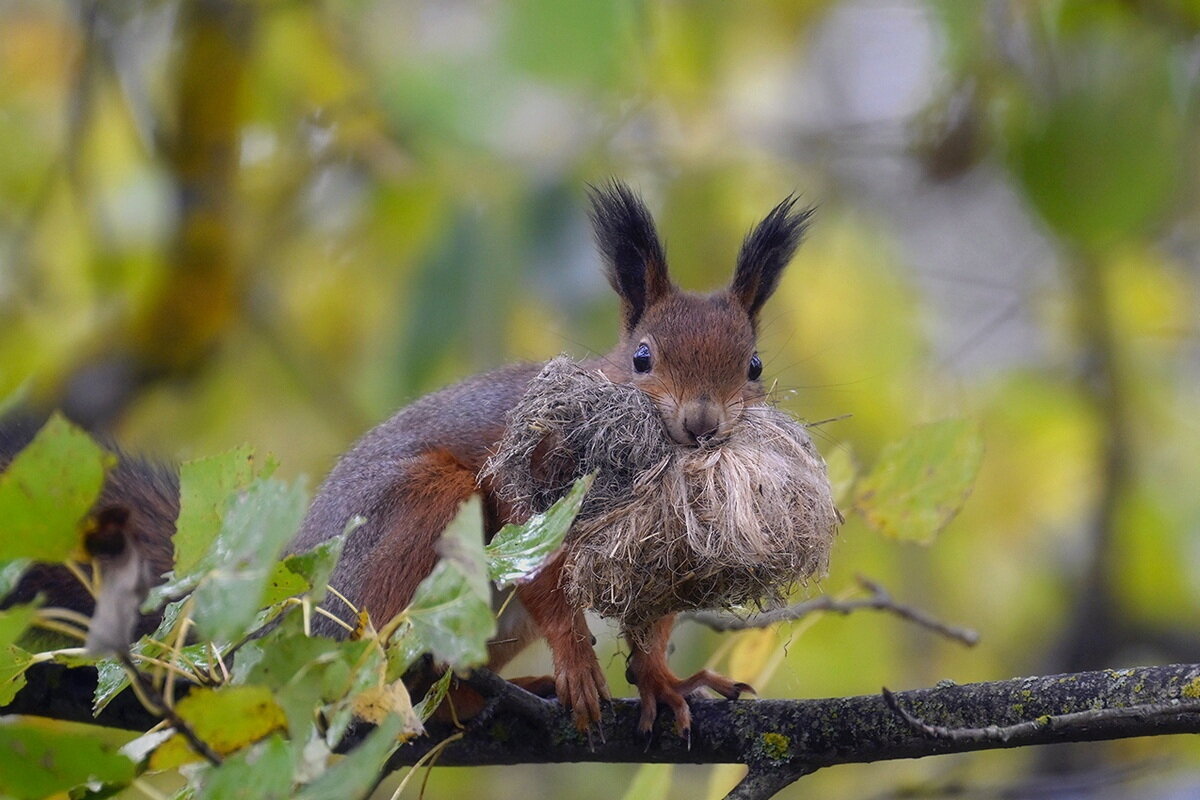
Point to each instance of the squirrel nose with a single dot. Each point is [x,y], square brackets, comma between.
[700,420]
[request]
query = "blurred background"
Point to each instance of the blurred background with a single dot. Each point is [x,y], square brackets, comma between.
[274,222]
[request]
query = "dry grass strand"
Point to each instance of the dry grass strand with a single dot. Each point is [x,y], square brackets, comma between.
[666,528]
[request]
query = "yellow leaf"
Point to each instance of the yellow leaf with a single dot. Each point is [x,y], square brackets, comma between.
[375,704]
[752,653]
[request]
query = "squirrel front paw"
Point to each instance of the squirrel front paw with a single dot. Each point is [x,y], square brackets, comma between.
[580,687]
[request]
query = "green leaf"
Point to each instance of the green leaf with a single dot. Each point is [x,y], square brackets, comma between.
[10,574]
[920,482]
[1099,158]
[307,672]
[111,678]
[567,42]
[843,472]
[450,614]
[282,584]
[517,551]
[205,486]
[47,492]
[14,660]
[14,622]
[262,772]
[355,775]
[13,663]
[434,697]
[226,719]
[307,573]
[257,525]
[36,760]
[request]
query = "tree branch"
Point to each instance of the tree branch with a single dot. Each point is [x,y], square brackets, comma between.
[779,740]
[785,739]
[879,600]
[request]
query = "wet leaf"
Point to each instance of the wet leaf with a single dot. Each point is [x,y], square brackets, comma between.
[434,697]
[920,482]
[47,492]
[111,678]
[450,614]
[14,622]
[256,526]
[517,551]
[375,704]
[307,672]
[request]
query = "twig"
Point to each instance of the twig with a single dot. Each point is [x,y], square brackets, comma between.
[65,615]
[430,757]
[879,600]
[149,693]
[1048,722]
[60,627]
[763,782]
[513,697]
[260,630]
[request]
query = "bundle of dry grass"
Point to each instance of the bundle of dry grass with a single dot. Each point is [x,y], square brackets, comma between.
[666,528]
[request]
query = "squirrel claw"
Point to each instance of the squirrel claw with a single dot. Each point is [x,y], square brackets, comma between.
[655,688]
[583,691]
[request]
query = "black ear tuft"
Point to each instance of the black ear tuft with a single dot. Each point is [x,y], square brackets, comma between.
[766,250]
[633,257]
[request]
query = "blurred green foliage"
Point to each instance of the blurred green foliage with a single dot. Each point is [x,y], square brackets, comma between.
[275,222]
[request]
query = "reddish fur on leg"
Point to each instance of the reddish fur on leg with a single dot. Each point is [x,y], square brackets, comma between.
[578,679]
[425,497]
[649,671]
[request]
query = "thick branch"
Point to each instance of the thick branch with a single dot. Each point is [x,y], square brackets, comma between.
[780,740]
[795,736]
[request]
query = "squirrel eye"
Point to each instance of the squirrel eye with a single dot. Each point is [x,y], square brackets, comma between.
[755,367]
[641,358]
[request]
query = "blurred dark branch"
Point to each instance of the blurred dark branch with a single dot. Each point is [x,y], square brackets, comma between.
[878,600]
[1089,639]
[197,302]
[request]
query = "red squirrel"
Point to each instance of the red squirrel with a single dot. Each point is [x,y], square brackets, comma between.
[693,355]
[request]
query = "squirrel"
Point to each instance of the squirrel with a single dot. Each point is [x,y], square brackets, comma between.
[693,355]
[139,501]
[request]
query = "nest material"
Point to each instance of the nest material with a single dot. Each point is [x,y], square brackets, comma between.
[666,528]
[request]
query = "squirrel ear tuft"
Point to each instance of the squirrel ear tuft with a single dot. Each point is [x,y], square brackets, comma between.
[765,251]
[633,257]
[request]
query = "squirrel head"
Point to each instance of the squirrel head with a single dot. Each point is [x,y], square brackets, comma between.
[693,354]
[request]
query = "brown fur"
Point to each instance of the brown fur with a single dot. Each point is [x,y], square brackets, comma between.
[425,496]
[408,475]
